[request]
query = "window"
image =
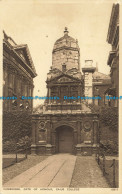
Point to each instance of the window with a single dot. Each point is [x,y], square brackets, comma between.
[63,67]
[26,90]
[105,99]
[29,92]
[10,81]
[96,102]
[19,89]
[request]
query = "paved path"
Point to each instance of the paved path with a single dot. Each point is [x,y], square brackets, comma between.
[55,171]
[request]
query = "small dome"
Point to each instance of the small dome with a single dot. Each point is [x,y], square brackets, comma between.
[66,41]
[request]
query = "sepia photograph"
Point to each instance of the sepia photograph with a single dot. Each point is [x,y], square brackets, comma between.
[60,95]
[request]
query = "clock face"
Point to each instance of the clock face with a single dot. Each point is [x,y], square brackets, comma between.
[87,125]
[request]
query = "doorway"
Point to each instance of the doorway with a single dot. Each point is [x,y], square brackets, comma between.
[64,139]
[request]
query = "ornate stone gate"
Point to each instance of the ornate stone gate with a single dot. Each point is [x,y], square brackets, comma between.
[64,107]
[85,132]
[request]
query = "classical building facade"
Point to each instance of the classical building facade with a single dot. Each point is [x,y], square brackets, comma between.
[113,58]
[18,74]
[67,124]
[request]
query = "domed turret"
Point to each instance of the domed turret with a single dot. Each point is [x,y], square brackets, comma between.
[66,52]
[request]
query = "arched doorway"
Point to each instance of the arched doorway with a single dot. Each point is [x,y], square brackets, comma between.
[64,139]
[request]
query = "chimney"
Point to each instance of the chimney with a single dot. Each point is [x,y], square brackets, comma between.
[88,70]
[96,67]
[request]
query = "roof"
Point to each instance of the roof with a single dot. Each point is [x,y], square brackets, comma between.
[21,51]
[68,38]
[114,19]
[24,47]
[98,75]
[66,41]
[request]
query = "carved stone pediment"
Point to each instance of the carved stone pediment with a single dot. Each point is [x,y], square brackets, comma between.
[64,78]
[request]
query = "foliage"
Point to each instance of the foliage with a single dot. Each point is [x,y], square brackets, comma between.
[109,130]
[16,129]
[109,147]
[109,117]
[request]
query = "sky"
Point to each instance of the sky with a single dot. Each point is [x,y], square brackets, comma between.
[39,24]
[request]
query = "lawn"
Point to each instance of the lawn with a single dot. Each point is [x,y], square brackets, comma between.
[109,171]
[16,169]
[10,161]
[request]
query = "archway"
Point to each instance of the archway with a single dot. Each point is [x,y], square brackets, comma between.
[64,139]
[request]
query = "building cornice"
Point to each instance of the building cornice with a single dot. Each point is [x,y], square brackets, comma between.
[113,22]
[32,72]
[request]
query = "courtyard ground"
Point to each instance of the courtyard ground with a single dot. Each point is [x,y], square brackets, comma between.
[18,168]
[61,170]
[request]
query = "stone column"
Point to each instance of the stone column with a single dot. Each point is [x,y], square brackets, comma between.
[79,93]
[33,132]
[95,131]
[49,93]
[59,93]
[48,132]
[68,93]
[36,132]
[78,131]
[95,136]
[53,137]
[54,140]
[48,146]
[75,137]
[88,71]
[33,146]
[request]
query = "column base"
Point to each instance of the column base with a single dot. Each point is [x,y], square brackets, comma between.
[33,149]
[86,149]
[49,149]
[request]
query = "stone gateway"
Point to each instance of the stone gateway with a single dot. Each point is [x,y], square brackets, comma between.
[66,125]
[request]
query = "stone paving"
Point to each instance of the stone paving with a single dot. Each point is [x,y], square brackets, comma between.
[55,171]
[61,170]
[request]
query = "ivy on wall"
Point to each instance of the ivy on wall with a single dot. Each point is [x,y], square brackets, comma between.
[16,129]
[109,117]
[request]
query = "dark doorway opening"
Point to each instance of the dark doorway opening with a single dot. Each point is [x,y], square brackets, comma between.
[64,139]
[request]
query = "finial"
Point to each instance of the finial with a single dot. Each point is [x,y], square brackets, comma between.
[66,31]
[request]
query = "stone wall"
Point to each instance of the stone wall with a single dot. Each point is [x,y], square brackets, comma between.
[68,57]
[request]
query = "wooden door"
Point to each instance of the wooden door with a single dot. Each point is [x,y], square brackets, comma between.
[65,137]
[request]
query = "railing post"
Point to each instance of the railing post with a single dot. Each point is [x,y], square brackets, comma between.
[98,151]
[16,154]
[103,164]
[98,159]
[114,184]
[26,151]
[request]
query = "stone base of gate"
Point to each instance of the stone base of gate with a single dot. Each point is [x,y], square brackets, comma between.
[49,149]
[86,150]
[42,149]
